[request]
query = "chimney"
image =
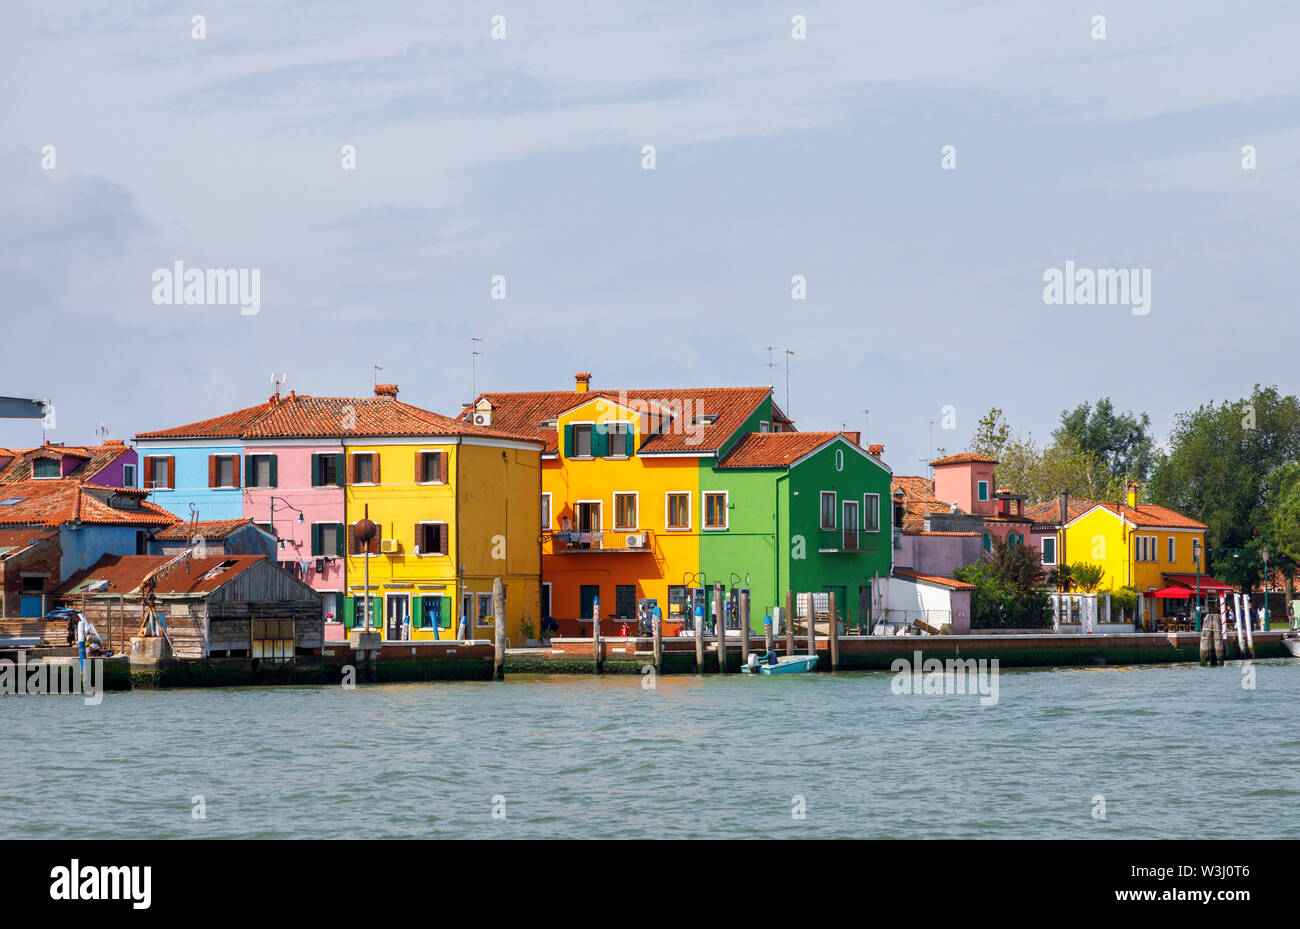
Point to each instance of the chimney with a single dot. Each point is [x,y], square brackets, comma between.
[877,451]
[386,390]
[854,437]
[1132,495]
[582,381]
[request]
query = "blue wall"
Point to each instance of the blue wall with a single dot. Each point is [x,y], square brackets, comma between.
[192,481]
[83,545]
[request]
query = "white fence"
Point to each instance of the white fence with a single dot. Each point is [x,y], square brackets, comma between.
[1091,613]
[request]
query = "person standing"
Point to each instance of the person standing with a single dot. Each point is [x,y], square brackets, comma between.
[83,630]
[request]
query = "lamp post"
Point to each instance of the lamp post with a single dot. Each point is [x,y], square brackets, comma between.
[1264,554]
[275,509]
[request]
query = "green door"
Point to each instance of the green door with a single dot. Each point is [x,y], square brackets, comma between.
[587,600]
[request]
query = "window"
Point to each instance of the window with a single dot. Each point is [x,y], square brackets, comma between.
[431,538]
[1049,550]
[326,470]
[871,512]
[828,509]
[764,426]
[715,510]
[46,467]
[546,511]
[365,468]
[430,469]
[618,440]
[581,442]
[128,475]
[160,472]
[1015,538]
[223,471]
[983,490]
[1173,550]
[679,511]
[273,639]
[625,511]
[356,547]
[987,541]
[485,617]
[326,539]
[261,471]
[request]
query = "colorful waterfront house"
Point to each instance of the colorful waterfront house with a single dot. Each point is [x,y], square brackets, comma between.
[113,463]
[1138,545]
[802,511]
[967,481]
[455,505]
[289,462]
[637,511]
[77,523]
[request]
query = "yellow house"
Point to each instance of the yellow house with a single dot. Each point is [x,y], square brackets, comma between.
[1138,545]
[456,507]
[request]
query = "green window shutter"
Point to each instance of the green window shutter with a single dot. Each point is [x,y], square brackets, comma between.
[315,470]
[315,540]
[628,448]
[275,471]
[599,441]
[339,597]
[568,440]
[339,541]
[339,475]
[417,612]
[445,618]
[350,612]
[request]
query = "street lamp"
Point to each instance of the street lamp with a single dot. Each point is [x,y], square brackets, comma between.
[1264,554]
[275,509]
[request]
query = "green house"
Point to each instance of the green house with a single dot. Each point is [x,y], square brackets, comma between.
[803,511]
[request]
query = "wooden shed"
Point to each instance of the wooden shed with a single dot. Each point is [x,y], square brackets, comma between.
[228,606]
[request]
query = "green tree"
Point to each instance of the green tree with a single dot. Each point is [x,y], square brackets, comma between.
[992,434]
[1086,576]
[1217,470]
[1283,511]
[1121,442]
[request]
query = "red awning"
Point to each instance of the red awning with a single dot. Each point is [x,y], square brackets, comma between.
[1172,593]
[1207,583]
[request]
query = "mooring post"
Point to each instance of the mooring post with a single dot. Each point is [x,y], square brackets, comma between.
[699,638]
[656,620]
[1217,634]
[499,618]
[720,627]
[595,636]
[744,628]
[835,634]
[812,625]
[789,622]
[767,631]
[1249,623]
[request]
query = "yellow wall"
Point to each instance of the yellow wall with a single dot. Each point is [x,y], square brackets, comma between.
[672,555]
[489,505]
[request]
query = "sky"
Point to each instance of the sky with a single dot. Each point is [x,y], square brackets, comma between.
[522,159]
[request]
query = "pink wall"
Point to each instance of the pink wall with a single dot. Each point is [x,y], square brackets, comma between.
[318,505]
[956,483]
[936,554]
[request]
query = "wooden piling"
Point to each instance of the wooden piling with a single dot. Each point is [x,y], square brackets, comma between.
[812,626]
[743,609]
[1217,635]
[699,640]
[499,620]
[767,633]
[720,627]
[835,634]
[657,623]
[596,649]
[789,622]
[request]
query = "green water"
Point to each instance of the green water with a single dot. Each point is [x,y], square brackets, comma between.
[1176,751]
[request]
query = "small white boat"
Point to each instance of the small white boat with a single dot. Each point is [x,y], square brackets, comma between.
[786,664]
[1292,643]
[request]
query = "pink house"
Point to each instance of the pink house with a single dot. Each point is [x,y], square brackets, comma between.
[967,480]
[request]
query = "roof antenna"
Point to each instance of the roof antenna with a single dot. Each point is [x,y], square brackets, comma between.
[275,384]
[474,353]
[376,371]
[102,431]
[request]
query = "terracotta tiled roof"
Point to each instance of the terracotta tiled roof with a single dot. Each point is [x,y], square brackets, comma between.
[975,535]
[125,574]
[918,501]
[951,583]
[15,540]
[775,449]
[1050,511]
[56,502]
[208,529]
[525,411]
[1148,515]
[304,417]
[965,458]
[94,458]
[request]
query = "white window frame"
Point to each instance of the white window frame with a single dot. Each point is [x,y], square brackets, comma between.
[821,511]
[636,503]
[844,522]
[622,454]
[982,491]
[58,469]
[704,510]
[1172,550]
[865,509]
[591,441]
[546,502]
[233,458]
[764,426]
[1042,549]
[424,554]
[667,510]
[478,620]
[132,469]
